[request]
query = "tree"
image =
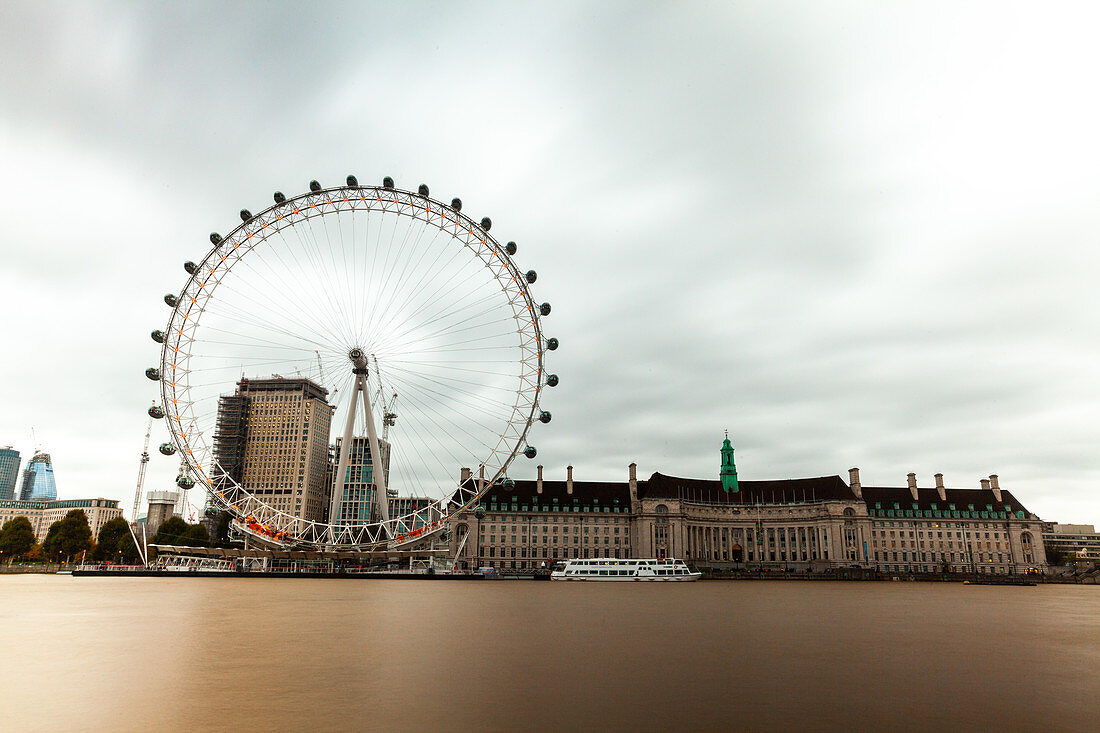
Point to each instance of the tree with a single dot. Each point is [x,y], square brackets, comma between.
[172,532]
[16,538]
[68,537]
[196,535]
[115,542]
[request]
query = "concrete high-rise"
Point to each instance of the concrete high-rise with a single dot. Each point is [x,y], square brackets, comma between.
[272,438]
[38,481]
[162,507]
[9,472]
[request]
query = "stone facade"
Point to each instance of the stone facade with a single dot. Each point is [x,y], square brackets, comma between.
[794,525]
[272,437]
[44,513]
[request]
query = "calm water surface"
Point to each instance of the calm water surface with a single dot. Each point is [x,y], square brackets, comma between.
[320,655]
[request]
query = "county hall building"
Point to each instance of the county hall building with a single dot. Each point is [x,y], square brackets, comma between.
[794,524]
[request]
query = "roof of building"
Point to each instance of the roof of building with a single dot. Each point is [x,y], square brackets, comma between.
[600,492]
[927,497]
[785,491]
[276,383]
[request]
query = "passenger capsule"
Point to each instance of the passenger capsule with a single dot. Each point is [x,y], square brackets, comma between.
[353,181]
[530,451]
[387,183]
[153,373]
[479,512]
[456,204]
[544,309]
[422,189]
[507,483]
[552,380]
[552,344]
[245,214]
[158,336]
[167,449]
[155,412]
[185,482]
[510,248]
[279,197]
[170,300]
[544,417]
[215,238]
[190,267]
[486,223]
[314,186]
[532,276]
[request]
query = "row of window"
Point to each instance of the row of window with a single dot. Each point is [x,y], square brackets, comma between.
[546,529]
[575,508]
[943,557]
[554,553]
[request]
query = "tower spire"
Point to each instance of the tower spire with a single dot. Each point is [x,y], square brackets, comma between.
[728,472]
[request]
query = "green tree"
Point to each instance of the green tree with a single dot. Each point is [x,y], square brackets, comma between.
[115,543]
[16,538]
[172,532]
[196,535]
[68,537]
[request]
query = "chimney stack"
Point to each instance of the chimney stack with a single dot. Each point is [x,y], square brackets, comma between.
[569,479]
[633,482]
[939,487]
[538,482]
[853,481]
[995,484]
[913,485]
[464,475]
[985,484]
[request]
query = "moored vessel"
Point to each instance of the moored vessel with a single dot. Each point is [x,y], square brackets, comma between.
[627,569]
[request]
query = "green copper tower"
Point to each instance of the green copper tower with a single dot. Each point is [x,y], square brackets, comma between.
[728,473]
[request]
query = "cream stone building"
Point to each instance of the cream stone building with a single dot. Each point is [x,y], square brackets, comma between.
[44,513]
[272,437]
[793,525]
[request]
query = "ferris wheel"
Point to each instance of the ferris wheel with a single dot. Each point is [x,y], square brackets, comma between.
[409,333]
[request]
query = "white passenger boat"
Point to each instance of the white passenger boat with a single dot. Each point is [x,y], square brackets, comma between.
[630,569]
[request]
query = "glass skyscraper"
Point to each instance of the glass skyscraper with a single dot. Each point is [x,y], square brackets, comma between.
[38,483]
[357,504]
[9,472]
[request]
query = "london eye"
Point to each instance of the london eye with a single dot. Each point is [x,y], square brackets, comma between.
[409,331]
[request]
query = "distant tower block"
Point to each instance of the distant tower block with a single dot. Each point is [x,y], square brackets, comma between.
[162,507]
[728,473]
[9,472]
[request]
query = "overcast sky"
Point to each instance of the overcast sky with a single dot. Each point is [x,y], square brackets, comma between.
[853,234]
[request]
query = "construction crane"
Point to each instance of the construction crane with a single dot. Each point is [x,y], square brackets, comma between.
[389,417]
[141,468]
[321,377]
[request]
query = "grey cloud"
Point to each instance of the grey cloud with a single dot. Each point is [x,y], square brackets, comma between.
[721,201]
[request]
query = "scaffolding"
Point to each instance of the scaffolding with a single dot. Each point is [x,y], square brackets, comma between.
[230,435]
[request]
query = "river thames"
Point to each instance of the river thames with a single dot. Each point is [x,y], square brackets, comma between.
[280,654]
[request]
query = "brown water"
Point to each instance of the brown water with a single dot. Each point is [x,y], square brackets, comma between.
[320,655]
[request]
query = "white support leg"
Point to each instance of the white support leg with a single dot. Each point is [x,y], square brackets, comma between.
[378,471]
[342,463]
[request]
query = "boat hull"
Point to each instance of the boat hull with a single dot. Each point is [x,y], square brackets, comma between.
[629,579]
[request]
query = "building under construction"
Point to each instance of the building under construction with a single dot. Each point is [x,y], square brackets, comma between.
[272,438]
